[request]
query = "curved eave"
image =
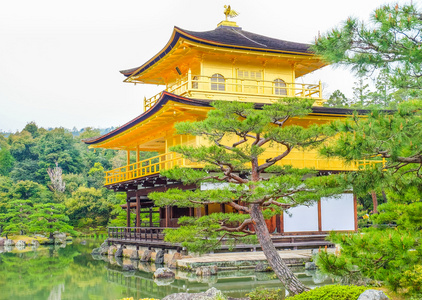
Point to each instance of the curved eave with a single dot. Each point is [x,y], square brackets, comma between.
[179,33]
[166,97]
[159,106]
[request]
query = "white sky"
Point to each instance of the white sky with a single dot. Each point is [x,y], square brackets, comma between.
[59,60]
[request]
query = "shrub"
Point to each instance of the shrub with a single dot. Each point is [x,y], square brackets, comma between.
[261,293]
[330,292]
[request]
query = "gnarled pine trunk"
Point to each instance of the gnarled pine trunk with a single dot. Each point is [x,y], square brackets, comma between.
[286,276]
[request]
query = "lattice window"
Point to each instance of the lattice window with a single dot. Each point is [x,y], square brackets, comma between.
[280,87]
[218,82]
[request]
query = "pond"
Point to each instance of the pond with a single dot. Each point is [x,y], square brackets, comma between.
[71,272]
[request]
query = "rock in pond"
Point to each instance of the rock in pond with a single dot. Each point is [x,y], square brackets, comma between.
[59,238]
[20,244]
[159,258]
[9,242]
[211,294]
[164,273]
[261,267]
[119,252]
[206,271]
[146,257]
[102,250]
[373,295]
[310,266]
[134,255]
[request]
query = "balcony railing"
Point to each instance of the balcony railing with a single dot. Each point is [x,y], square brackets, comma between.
[236,89]
[297,159]
[147,167]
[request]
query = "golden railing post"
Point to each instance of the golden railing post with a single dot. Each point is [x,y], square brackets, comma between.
[189,80]
[320,89]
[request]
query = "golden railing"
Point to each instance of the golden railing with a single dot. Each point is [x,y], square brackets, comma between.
[146,167]
[235,89]
[169,160]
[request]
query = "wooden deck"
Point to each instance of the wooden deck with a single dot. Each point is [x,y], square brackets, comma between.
[154,237]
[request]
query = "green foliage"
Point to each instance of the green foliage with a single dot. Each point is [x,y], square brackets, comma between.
[238,135]
[380,255]
[48,218]
[25,157]
[330,292]
[337,99]
[412,280]
[6,161]
[396,137]
[261,293]
[88,207]
[391,44]
[204,234]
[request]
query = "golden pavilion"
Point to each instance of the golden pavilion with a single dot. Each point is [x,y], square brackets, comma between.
[196,68]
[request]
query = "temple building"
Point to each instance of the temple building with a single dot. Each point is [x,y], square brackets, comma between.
[196,68]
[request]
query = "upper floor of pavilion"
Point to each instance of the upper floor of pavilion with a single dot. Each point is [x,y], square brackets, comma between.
[229,63]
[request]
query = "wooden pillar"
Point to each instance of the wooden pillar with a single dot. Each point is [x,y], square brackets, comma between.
[319,216]
[374,202]
[198,212]
[278,222]
[206,209]
[138,211]
[167,216]
[282,223]
[137,153]
[222,208]
[128,212]
[128,157]
[150,216]
[191,213]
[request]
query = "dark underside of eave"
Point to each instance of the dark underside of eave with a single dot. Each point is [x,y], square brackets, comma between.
[165,97]
[227,37]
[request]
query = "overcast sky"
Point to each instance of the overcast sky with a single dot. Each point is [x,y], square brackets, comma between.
[59,60]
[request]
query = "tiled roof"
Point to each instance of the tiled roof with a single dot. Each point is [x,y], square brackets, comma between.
[226,37]
[235,36]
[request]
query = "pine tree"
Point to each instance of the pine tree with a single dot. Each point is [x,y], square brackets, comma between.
[244,177]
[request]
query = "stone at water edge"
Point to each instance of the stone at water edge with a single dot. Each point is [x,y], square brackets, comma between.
[373,295]
[119,252]
[146,257]
[310,266]
[134,255]
[261,267]
[20,243]
[211,294]
[102,250]
[159,258]
[174,259]
[9,242]
[164,273]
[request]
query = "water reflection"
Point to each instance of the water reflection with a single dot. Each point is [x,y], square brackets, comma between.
[56,273]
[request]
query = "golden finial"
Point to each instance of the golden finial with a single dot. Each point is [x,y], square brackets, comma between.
[230,12]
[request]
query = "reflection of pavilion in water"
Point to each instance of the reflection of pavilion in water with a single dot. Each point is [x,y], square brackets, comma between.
[234,283]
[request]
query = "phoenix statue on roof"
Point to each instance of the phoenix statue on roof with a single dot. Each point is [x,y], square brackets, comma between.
[230,12]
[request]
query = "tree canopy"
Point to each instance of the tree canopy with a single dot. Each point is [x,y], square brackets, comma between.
[245,177]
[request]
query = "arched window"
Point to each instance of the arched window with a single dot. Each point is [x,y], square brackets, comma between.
[280,87]
[195,82]
[218,82]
